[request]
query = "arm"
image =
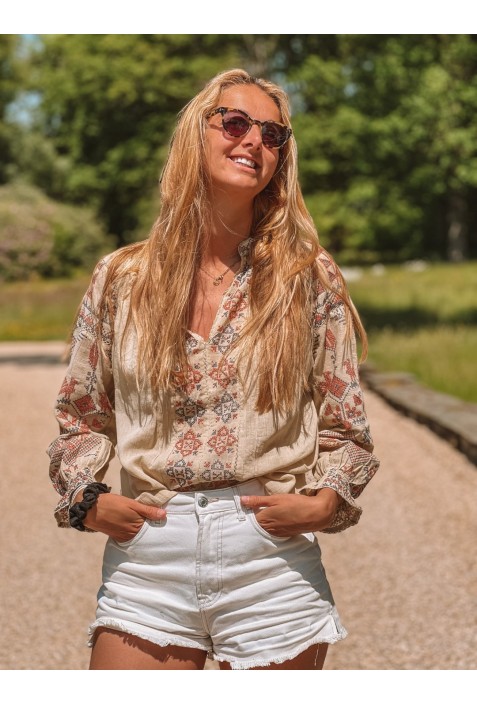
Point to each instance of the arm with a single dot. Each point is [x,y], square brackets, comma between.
[85,405]
[85,413]
[345,462]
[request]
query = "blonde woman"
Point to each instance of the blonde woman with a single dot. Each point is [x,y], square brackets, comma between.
[218,359]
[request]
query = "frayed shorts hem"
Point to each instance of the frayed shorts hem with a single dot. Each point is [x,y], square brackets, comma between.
[235,664]
[278,660]
[159,639]
[210,577]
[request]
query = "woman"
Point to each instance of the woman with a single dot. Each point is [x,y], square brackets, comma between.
[218,357]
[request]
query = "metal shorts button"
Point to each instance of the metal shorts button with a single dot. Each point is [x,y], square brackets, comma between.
[203,502]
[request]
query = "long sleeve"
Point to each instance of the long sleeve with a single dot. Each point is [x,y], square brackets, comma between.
[345,461]
[85,405]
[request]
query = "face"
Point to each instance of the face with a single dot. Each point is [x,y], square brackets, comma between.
[241,166]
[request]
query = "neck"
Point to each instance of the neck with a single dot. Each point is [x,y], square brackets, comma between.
[230,224]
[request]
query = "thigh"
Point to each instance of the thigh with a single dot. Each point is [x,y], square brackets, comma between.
[275,603]
[116,650]
[311,659]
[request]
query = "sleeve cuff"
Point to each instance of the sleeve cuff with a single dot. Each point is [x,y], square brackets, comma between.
[63,506]
[349,512]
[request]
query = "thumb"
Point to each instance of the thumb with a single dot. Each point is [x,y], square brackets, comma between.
[257,501]
[153,513]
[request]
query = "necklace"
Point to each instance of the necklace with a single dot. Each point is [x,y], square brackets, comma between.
[217,280]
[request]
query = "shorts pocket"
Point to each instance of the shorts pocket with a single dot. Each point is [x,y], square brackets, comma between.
[129,543]
[261,531]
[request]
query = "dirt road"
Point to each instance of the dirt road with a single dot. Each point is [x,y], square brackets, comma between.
[404,579]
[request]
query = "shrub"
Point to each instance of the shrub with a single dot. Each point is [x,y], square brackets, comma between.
[41,237]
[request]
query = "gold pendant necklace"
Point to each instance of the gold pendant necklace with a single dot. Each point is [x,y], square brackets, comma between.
[217,280]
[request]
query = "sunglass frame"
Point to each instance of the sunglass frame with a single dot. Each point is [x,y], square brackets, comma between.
[223,111]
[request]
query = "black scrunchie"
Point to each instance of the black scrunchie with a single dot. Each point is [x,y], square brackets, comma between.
[79,510]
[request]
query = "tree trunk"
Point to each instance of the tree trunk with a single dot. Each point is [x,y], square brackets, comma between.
[457,231]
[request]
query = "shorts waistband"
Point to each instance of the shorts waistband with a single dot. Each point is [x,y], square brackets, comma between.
[213,499]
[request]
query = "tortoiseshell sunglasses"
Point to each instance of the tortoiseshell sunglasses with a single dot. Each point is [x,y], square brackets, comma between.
[237,123]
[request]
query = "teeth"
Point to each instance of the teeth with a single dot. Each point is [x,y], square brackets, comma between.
[247,162]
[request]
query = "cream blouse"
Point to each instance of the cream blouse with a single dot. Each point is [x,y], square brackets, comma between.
[211,436]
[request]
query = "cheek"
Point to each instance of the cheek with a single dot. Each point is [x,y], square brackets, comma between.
[208,151]
[213,148]
[272,166]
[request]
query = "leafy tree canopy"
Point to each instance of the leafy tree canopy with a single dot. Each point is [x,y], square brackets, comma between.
[385,126]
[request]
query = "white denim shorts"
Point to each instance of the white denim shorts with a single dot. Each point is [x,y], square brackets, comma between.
[210,577]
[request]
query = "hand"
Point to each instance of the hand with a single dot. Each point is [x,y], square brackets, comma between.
[284,515]
[119,517]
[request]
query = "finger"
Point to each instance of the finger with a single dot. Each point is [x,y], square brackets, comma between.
[153,513]
[257,501]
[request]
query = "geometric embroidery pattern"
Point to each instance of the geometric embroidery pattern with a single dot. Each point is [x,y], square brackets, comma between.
[210,410]
[226,408]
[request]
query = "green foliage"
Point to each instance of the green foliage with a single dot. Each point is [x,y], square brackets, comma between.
[108,105]
[385,126]
[41,237]
[36,161]
[8,75]
[388,143]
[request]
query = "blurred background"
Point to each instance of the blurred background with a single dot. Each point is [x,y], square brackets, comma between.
[387,138]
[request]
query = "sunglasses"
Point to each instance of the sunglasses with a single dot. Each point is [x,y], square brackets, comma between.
[237,124]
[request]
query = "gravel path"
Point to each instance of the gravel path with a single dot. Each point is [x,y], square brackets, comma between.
[404,579]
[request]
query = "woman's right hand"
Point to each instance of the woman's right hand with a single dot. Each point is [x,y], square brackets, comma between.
[119,517]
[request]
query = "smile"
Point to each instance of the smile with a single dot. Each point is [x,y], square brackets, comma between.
[242,160]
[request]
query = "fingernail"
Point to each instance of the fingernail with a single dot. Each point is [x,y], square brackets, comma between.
[245,499]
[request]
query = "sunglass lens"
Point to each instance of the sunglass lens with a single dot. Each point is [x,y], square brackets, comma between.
[235,124]
[273,134]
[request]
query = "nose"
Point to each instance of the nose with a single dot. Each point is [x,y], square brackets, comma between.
[254,136]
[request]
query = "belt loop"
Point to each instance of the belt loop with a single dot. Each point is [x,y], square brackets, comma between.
[240,514]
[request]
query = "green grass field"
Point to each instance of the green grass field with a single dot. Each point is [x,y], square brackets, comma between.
[423,322]
[39,310]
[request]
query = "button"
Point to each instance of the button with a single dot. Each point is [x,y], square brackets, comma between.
[203,502]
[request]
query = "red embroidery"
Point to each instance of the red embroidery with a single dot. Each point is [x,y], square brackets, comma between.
[222,440]
[85,404]
[224,373]
[68,386]
[188,444]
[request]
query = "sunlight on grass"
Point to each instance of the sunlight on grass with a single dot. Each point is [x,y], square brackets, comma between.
[423,322]
[442,357]
[39,310]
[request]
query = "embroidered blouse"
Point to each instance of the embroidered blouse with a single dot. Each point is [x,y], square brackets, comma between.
[213,436]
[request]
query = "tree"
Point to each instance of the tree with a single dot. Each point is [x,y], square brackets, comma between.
[384,123]
[388,142]
[8,75]
[108,105]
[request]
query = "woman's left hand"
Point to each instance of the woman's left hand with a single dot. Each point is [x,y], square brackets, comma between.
[284,515]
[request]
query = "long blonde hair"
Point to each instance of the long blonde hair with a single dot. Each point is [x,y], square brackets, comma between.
[285,269]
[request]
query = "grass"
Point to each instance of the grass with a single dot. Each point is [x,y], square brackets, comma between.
[423,322]
[39,310]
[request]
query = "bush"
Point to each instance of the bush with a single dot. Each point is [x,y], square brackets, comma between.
[41,237]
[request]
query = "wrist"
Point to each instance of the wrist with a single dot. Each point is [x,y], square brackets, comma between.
[89,496]
[330,497]
[329,501]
